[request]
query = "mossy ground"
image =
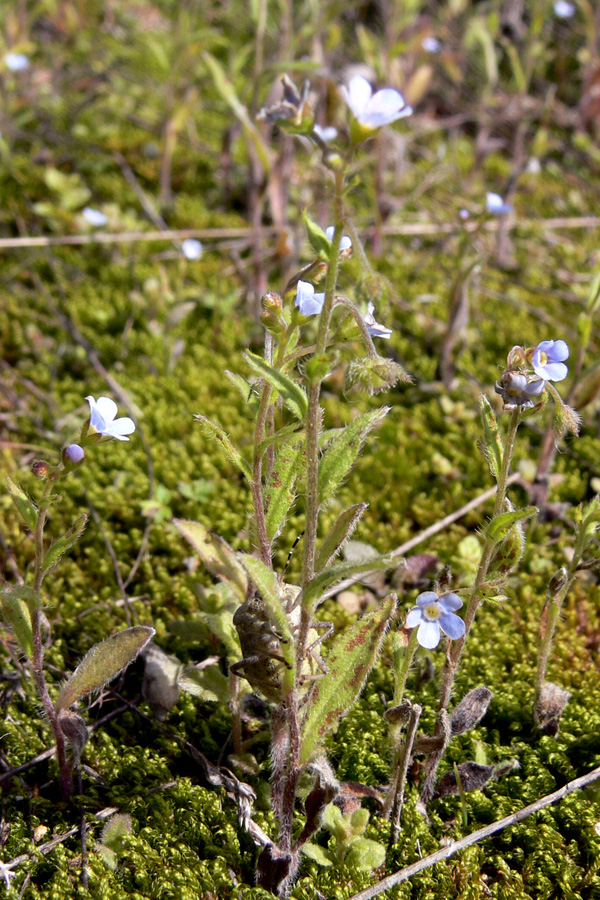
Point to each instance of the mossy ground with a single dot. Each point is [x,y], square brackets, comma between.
[137,321]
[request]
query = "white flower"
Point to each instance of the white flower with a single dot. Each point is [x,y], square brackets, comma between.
[434,614]
[309,303]
[329,133]
[345,243]
[94,217]
[16,62]
[373,327]
[496,205]
[374,110]
[563,9]
[102,419]
[192,249]
[431,45]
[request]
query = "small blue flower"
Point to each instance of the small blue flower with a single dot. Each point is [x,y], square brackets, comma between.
[516,390]
[464,214]
[563,9]
[309,303]
[73,454]
[192,249]
[496,205]
[345,243]
[434,614]
[547,360]
[94,217]
[327,133]
[431,44]
[371,110]
[102,419]
[373,327]
[16,62]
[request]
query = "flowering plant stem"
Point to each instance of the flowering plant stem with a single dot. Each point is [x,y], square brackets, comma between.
[474,602]
[37,661]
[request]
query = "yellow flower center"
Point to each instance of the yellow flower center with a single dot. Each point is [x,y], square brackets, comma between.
[431,612]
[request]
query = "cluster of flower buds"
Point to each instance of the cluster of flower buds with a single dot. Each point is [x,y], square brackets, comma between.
[529,370]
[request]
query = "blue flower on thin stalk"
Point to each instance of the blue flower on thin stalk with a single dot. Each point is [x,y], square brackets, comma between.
[547,360]
[434,615]
[374,110]
[496,205]
[308,302]
[102,419]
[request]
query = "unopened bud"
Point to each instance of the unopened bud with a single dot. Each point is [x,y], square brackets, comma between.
[516,358]
[73,455]
[40,468]
[470,710]
[75,729]
[272,302]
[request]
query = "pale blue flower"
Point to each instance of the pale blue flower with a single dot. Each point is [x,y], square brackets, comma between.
[102,419]
[308,302]
[431,44]
[464,214]
[192,249]
[563,9]
[547,360]
[73,454]
[374,110]
[16,62]
[373,327]
[345,243]
[94,217]
[329,133]
[434,614]
[516,390]
[496,205]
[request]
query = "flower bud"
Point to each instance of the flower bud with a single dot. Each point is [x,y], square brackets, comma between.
[272,302]
[40,468]
[73,455]
[516,358]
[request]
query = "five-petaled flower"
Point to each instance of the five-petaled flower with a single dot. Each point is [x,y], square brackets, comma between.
[102,419]
[373,111]
[373,327]
[434,614]
[547,360]
[516,390]
[308,302]
[496,205]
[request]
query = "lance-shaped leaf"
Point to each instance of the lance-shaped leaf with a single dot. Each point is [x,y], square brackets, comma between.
[227,92]
[289,434]
[339,534]
[492,447]
[63,544]
[265,582]
[341,453]
[509,551]
[226,445]
[328,577]
[247,391]
[25,505]
[291,393]
[351,659]
[216,554]
[317,238]
[16,604]
[280,492]
[501,525]
[103,662]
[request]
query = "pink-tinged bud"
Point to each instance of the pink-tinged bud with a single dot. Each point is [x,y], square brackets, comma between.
[73,455]
[40,468]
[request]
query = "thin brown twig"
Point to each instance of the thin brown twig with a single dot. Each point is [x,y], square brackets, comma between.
[477,836]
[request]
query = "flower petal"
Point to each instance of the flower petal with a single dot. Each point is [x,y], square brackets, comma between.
[120,427]
[414,617]
[107,408]
[426,598]
[555,371]
[559,351]
[452,625]
[450,602]
[358,94]
[429,634]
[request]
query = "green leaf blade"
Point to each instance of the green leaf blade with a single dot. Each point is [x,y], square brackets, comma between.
[500,526]
[343,450]
[226,445]
[216,554]
[341,530]
[291,393]
[280,492]
[25,505]
[493,449]
[61,546]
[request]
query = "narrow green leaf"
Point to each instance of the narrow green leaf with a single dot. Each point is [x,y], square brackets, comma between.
[280,492]
[63,544]
[227,92]
[318,854]
[228,448]
[328,577]
[25,505]
[501,525]
[216,554]
[317,237]
[265,582]
[16,604]
[246,390]
[103,662]
[208,684]
[339,534]
[588,387]
[289,434]
[341,453]
[292,394]
[593,301]
[493,449]
[349,662]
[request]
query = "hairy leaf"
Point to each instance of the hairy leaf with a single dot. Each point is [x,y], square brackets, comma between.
[339,533]
[227,446]
[493,449]
[216,554]
[265,581]
[328,577]
[103,662]
[317,237]
[16,604]
[63,544]
[349,662]
[292,394]
[25,505]
[501,525]
[247,391]
[341,453]
[280,492]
